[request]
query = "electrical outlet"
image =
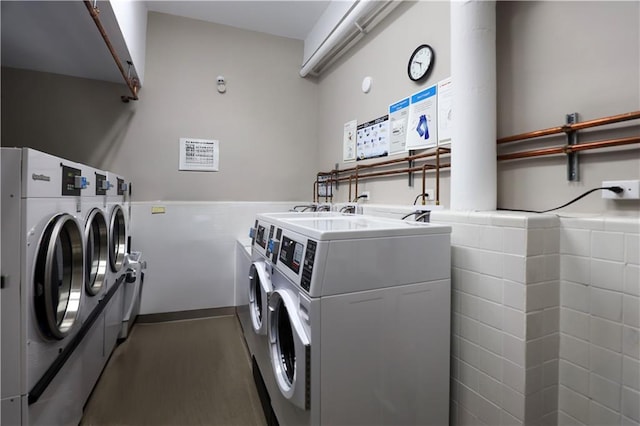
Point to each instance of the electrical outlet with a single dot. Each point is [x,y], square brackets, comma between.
[631,189]
[365,195]
[430,196]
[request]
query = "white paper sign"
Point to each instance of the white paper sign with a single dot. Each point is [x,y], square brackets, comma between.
[422,130]
[349,141]
[398,121]
[373,138]
[199,155]
[445,111]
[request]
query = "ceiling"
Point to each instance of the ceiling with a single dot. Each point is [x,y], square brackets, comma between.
[60,37]
[293,19]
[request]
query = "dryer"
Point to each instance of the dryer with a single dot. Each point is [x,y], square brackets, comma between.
[43,274]
[359,321]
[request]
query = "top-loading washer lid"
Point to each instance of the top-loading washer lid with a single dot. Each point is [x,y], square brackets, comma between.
[357,226]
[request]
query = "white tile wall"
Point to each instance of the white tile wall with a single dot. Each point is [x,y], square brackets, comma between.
[599,322]
[546,319]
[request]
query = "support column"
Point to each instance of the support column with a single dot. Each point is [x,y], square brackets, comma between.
[473,71]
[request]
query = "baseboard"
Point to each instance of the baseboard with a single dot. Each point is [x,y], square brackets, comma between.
[185,315]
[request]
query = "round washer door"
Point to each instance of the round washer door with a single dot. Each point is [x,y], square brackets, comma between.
[58,276]
[96,237]
[117,239]
[260,289]
[290,349]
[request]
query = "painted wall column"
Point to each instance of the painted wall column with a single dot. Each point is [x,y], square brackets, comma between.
[473,71]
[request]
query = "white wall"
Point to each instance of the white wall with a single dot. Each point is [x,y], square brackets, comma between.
[190,251]
[265,122]
[382,54]
[553,58]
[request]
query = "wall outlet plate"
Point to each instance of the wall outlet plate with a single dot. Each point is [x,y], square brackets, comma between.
[631,189]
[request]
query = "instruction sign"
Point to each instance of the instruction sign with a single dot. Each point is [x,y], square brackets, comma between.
[422,130]
[398,119]
[373,138]
[199,155]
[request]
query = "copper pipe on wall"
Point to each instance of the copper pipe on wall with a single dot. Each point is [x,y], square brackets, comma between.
[132,84]
[424,183]
[315,187]
[389,162]
[603,144]
[571,148]
[349,187]
[357,169]
[438,175]
[572,127]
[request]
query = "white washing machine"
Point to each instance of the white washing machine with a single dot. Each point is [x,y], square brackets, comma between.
[42,294]
[255,317]
[96,238]
[117,201]
[359,321]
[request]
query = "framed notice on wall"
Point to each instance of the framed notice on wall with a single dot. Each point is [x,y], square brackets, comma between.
[199,155]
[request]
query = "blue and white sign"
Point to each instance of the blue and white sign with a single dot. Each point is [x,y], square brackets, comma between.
[398,118]
[422,123]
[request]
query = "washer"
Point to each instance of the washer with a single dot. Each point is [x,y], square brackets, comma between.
[359,321]
[255,317]
[43,275]
[117,202]
[96,239]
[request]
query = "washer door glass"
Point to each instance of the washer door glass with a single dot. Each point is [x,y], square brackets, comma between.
[255,297]
[259,289]
[117,239]
[97,244]
[58,276]
[285,347]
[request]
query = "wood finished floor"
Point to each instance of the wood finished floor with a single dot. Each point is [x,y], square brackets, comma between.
[193,372]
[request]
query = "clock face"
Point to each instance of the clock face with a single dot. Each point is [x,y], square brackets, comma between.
[420,62]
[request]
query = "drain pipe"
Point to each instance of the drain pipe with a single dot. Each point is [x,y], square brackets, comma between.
[473,72]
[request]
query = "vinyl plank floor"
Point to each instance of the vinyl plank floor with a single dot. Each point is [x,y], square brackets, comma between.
[193,372]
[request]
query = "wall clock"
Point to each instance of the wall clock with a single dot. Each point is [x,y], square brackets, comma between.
[420,62]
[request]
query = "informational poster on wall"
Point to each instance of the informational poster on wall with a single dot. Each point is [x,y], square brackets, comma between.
[373,138]
[349,141]
[398,119]
[445,111]
[199,155]
[422,128]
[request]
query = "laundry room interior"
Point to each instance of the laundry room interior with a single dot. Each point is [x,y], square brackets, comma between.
[497,249]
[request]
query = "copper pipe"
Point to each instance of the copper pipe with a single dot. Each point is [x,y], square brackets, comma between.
[349,200]
[572,127]
[531,135]
[438,176]
[315,186]
[356,183]
[571,148]
[387,162]
[131,83]
[424,182]
[603,144]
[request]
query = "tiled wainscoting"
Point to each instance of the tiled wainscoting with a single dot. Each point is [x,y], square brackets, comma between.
[545,319]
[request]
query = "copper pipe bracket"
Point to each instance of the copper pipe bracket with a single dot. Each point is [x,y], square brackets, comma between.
[572,157]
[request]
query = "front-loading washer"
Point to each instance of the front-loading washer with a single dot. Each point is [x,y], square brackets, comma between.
[43,275]
[96,259]
[359,321]
[117,202]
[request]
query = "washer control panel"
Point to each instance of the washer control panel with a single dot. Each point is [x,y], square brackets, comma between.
[307,266]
